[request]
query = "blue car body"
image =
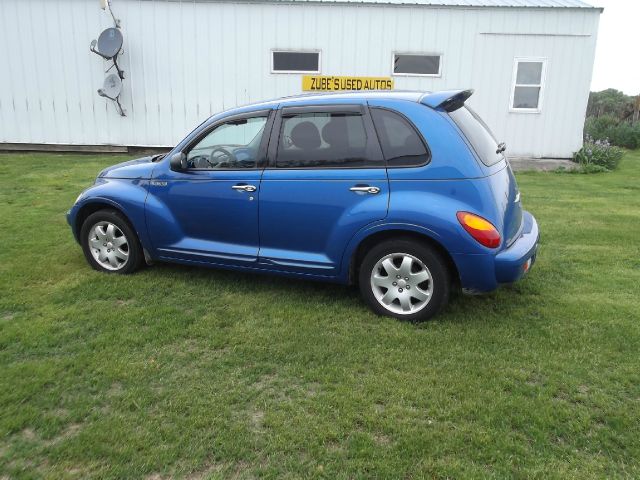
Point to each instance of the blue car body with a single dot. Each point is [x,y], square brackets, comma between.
[307,222]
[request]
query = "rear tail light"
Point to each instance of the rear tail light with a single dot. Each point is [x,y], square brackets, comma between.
[480,229]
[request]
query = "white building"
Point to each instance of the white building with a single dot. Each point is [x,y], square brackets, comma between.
[529,61]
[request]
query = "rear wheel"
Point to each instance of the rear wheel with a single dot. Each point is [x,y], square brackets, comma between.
[109,243]
[405,279]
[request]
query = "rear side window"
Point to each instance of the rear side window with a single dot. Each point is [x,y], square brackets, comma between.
[324,140]
[400,142]
[478,134]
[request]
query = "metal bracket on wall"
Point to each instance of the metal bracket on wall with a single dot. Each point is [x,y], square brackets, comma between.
[109,46]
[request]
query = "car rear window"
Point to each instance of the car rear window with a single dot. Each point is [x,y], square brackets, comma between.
[478,134]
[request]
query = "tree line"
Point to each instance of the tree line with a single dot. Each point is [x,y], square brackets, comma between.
[613,116]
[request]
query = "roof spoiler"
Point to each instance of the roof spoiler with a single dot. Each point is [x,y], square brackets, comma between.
[448,100]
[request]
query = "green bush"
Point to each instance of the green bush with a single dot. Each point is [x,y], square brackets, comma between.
[598,156]
[606,127]
[600,127]
[626,135]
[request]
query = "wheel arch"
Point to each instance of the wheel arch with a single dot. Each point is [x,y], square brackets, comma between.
[96,205]
[374,238]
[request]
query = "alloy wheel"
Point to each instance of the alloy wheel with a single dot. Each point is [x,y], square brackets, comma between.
[108,245]
[401,283]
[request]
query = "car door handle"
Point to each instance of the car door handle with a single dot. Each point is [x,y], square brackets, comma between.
[365,189]
[245,188]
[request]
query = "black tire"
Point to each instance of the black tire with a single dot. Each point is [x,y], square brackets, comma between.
[136,255]
[432,260]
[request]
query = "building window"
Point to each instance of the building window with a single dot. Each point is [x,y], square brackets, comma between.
[295,62]
[528,84]
[416,64]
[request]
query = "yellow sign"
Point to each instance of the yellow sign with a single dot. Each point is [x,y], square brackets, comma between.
[327,83]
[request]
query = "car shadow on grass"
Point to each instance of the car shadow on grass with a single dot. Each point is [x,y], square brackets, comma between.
[461,308]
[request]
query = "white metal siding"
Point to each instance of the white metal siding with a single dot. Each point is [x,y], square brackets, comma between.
[456,3]
[187,60]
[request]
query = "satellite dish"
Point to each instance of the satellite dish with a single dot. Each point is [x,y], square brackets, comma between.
[108,46]
[112,87]
[111,90]
[109,43]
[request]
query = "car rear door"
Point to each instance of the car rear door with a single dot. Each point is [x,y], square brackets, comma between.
[326,179]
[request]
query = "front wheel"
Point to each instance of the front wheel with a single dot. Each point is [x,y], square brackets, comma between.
[109,243]
[405,279]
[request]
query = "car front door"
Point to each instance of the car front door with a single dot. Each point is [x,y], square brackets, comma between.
[326,180]
[208,212]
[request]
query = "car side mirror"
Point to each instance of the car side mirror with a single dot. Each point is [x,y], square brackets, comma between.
[178,161]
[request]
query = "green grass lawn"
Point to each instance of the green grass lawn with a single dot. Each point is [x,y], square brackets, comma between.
[197,373]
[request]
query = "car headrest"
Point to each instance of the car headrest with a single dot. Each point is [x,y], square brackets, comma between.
[335,133]
[305,135]
[413,144]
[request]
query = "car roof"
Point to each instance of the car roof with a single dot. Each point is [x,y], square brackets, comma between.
[410,95]
[447,100]
[329,97]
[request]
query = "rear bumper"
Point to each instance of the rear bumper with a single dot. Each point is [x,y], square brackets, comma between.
[485,272]
[511,264]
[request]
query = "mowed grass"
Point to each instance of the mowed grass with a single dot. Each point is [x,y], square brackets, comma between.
[179,372]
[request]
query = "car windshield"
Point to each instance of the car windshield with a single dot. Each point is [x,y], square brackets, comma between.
[478,134]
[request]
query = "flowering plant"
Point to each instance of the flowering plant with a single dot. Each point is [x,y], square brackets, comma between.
[598,156]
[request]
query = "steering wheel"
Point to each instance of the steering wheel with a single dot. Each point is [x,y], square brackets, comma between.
[225,157]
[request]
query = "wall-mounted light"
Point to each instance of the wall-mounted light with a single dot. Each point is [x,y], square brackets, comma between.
[106,5]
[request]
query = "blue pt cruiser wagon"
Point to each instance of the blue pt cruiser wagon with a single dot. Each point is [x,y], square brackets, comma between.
[407,194]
